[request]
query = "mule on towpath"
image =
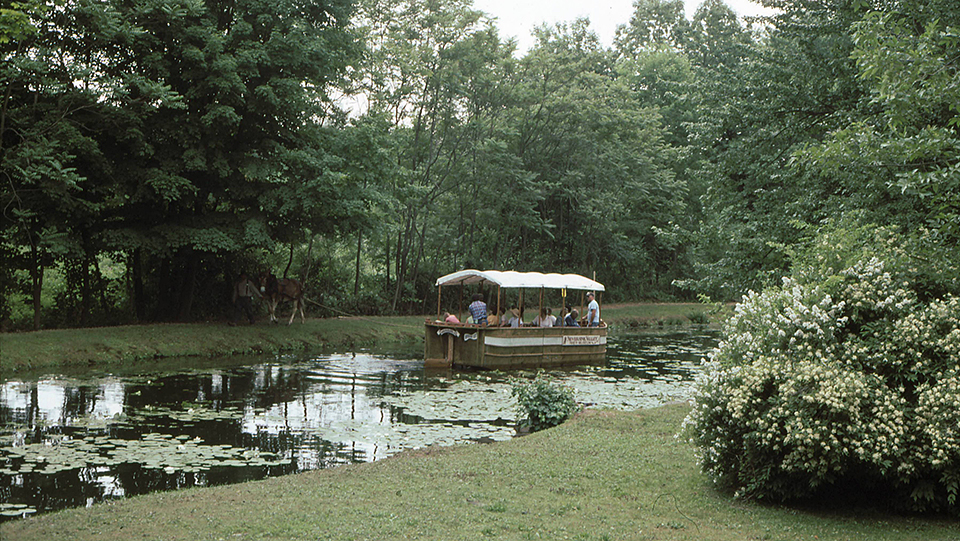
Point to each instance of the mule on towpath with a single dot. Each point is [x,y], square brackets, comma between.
[275,291]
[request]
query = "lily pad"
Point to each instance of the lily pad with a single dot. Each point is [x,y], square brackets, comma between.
[15,509]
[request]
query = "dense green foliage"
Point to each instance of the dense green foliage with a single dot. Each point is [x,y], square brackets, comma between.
[846,376]
[542,404]
[151,151]
[173,138]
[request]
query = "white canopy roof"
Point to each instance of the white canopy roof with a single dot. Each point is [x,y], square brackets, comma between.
[520,279]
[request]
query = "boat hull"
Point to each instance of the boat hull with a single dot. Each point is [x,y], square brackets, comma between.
[502,348]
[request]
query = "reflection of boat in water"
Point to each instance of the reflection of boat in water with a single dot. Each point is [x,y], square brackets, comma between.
[475,346]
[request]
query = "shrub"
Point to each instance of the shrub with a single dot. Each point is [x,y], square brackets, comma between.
[541,404]
[851,381]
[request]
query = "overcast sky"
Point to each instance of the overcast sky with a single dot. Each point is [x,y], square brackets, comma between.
[516,18]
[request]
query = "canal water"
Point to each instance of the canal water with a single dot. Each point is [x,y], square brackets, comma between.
[71,440]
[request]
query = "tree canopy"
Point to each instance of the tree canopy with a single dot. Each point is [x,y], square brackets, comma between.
[152,150]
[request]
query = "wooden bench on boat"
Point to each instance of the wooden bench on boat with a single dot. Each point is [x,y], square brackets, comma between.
[475,346]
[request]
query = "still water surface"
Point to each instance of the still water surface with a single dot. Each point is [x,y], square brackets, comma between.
[69,441]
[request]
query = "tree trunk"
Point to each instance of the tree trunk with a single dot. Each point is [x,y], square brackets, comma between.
[403,249]
[165,292]
[84,319]
[416,261]
[306,273]
[356,279]
[188,286]
[286,271]
[139,302]
[386,285]
[100,285]
[37,275]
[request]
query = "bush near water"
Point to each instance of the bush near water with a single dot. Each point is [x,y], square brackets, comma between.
[846,379]
[542,404]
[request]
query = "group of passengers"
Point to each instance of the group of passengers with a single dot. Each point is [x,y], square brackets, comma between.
[569,317]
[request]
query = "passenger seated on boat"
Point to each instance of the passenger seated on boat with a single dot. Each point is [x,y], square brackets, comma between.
[493,320]
[543,320]
[571,319]
[478,309]
[450,318]
[551,319]
[516,319]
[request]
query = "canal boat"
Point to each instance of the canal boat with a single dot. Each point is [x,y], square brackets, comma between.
[465,345]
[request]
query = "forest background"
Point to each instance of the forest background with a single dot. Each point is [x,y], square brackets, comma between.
[152,150]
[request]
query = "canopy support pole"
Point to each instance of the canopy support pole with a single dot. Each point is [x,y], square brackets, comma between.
[483,295]
[540,308]
[439,289]
[563,307]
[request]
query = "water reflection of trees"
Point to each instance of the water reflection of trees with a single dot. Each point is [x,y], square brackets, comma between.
[283,408]
[259,387]
[47,407]
[649,356]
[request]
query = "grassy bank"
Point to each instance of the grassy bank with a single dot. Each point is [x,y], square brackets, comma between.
[602,476]
[130,344]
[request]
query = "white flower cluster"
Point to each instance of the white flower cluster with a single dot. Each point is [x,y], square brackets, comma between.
[927,339]
[938,420]
[807,389]
[873,289]
[780,320]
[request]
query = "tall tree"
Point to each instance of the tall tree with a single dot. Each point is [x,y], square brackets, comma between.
[423,55]
[599,162]
[243,162]
[61,92]
[549,162]
[760,102]
[198,132]
[901,164]
[654,25]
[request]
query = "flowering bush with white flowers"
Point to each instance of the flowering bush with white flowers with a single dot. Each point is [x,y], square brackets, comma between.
[849,379]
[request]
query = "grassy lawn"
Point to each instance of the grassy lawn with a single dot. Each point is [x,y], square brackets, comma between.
[602,476]
[134,344]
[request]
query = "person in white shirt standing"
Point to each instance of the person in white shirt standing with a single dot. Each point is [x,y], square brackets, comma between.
[243,292]
[593,311]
